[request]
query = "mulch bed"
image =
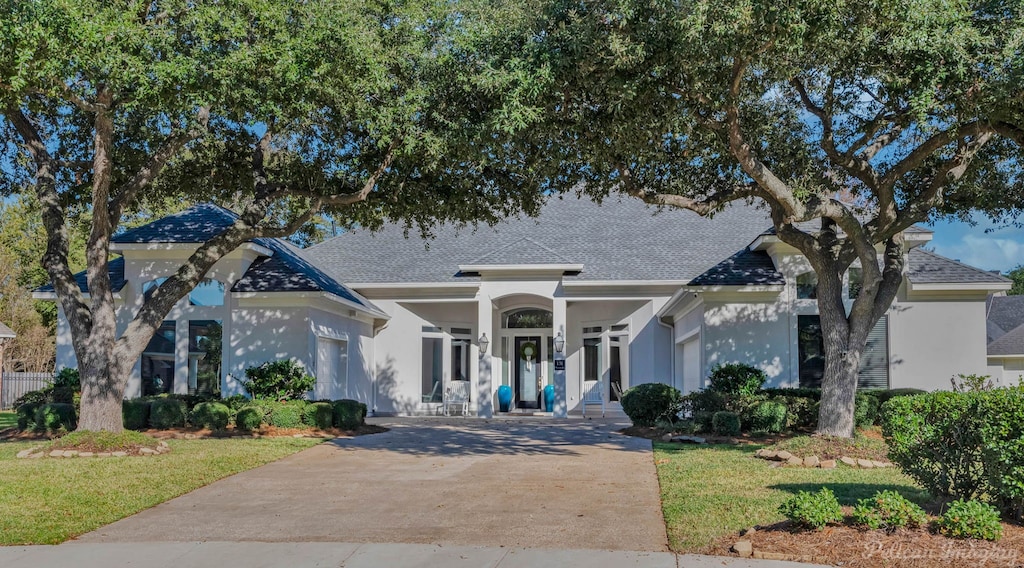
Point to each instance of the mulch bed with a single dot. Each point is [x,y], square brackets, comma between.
[853,547]
[15,435]
[655,433]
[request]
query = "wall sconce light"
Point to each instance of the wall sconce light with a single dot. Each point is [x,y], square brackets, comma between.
[484,342]
[559,342]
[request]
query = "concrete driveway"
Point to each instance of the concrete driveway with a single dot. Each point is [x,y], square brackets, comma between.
[521,483]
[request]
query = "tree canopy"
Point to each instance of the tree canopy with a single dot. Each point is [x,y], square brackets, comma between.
[865,117]
[372,111]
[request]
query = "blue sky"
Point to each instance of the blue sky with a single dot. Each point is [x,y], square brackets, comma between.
[985,244]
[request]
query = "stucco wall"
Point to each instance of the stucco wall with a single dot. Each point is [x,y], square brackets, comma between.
[930,340]
[756,333]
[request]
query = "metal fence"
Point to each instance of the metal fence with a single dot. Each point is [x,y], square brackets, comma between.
[13,385]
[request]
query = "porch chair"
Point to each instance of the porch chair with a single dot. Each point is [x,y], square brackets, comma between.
[593,394]
[435,393]
[457,395]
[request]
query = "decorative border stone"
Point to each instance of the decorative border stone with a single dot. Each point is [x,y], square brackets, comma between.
[745,549]
[37,452]
[783,458]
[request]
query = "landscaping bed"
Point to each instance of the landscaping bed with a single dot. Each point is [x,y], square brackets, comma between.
[858,548]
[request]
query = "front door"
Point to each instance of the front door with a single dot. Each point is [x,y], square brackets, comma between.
[528,371]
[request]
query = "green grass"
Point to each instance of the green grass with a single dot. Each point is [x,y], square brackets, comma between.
[710,491]
[47,501]
[8,420]
[861,446]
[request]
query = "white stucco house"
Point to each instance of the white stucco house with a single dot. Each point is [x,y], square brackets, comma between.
[590,299]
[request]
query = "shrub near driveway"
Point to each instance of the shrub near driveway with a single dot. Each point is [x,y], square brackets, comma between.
[47,501]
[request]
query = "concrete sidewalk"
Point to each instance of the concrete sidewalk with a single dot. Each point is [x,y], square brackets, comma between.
[350,555]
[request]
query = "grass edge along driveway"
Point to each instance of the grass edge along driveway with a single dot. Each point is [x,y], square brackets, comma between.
[711,491]
[47,501]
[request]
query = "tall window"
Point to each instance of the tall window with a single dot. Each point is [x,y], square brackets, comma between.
[433,368]
[461,341]
[615,363]
[205,342]
[158,362]
[874,363]
[592,366]
[807,286]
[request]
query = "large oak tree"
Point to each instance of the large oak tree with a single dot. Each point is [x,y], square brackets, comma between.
[865,117]
[371,111]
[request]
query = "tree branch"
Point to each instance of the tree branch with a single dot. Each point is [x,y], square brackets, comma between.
[929,147]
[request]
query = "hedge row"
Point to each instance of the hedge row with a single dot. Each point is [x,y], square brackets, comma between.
[174,411]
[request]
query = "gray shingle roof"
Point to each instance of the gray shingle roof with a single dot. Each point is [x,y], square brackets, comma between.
[115,269]
[1004,314]
[1010,343]
[289,271]
[744,268]
[815,225]
[286,271]
[623,239]
[925,267]
[6,332]
[197,224]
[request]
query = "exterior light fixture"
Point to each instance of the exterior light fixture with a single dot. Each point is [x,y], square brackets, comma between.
[484,342]
[559,342]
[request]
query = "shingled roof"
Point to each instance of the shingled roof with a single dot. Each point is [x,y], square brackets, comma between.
[115,269]
[619,240]
[745,268]
[1005,325]
[1010,343]
[926,267]
[287,270]
[6,332]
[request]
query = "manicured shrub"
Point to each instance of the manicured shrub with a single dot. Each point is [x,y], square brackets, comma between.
[212,415]
[167,413]
[725,423]
[865,412]
[883,395]
[888,510]
[768,416]
[286,415]
[278,380]
[54,417]
[351,414]
[736,378]
[813,510]
[27,415]
[970,519]
[135,413]
[318,415]
[965,445]
[646,403]
[236,401]
[249,418]
[702,405]
[813,394]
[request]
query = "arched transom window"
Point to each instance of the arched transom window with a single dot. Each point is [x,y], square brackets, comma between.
[534,318]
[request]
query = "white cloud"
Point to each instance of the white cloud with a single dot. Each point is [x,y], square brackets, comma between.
[984,251]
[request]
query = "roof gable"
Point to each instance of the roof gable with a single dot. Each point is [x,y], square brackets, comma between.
[1004,314]
[197,224]
[1011,343]
[745,268]
[115,270]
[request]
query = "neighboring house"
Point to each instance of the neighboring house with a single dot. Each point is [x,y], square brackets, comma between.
[587,298]
[6,335]
[1006,338]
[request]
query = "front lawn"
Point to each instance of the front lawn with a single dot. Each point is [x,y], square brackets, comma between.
[8,420]
[708,492]
[47,501]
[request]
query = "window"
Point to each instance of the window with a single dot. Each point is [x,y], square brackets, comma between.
[856,282]
[874,362]
[615,366]
[205,342]
[592,359]
[207,293]
[531,318]
[810,351]
[433,365]
[149,287]
[460,358]
[807,286]
[158,361]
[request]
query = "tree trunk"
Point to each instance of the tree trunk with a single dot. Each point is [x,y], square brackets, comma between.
[102,393]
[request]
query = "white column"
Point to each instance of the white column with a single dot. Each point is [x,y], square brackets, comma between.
[181,356]
[558,316]
[484,325]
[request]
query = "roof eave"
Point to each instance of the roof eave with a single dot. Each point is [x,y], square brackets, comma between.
[962,286]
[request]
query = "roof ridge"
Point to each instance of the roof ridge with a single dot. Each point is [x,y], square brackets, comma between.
[507,246]
[1008,338]
[964,264]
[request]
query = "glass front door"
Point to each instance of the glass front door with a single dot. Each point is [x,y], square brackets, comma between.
[529,371]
